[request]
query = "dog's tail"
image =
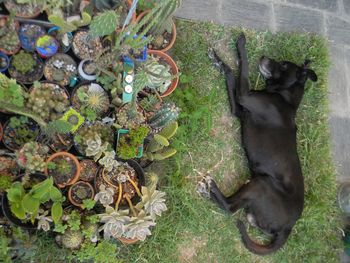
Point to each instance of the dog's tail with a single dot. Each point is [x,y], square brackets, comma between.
[277,242]
[230,80]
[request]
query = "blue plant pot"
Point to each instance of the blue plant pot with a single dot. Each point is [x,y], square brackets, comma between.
[122,132]
[28,34]
[7,59]
[142,57]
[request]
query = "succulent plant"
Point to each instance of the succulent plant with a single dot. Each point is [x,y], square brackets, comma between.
[159,76]
[166,114]
[114,222]
[128,144]
[23,62]
[72,239]
[158,147]
[139,226]
[154,202]
[95,148]
[108,161]
[66,27]
[32,156]
[47,100]
[128,117]
[105,196]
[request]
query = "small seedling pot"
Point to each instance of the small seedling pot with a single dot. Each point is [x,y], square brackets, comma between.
[4,62]
[124,132]
[46,46]
[174,70]
[73,177]
[71,192]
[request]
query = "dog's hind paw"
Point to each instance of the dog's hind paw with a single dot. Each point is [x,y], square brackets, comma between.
[215,60]
[203,190]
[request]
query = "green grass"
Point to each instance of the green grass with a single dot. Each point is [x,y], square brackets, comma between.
[193,229]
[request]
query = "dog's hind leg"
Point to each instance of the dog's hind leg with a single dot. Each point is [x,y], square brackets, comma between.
[243,83]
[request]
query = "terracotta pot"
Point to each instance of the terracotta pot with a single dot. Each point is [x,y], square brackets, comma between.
[127,241]
[174,70]
[75,178]
[71,190]
[174,32]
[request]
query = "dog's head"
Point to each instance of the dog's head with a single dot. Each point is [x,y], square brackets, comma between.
[284,73]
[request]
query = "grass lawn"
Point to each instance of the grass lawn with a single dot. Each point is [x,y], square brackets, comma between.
[193,229]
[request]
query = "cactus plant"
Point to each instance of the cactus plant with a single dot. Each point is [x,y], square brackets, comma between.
[149,103]
[9,40]
[72,239]
[104,23]
[23,62]
[167,113]
[31,157]
[47,100]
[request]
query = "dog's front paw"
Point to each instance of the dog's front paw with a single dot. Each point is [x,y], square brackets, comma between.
[241,41]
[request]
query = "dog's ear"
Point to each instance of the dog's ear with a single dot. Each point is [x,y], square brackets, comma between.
[311,74]
[307,73]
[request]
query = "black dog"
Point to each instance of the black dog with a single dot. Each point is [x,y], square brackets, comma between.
[274,197]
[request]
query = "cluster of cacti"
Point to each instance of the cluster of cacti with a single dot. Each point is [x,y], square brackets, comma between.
[158,75]
[166,114]
[129,118]
[104,24]
[158,148]
[23,62]
[66,27]
[72,239]
[48,101]
[149,103]
[9,40]
[32,156]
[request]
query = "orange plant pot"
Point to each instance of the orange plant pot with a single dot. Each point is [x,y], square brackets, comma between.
[70,156]
[71,189]
[174,32]
[173,67]
[127,241]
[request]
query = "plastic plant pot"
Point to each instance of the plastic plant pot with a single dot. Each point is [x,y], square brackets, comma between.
[46,46]
[28,34]
[4,62]
[141,58]
[65,40]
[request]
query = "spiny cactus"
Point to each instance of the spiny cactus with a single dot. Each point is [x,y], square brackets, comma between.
[104,23]
[72,239]
[9,40]
[168,113]
[149,103]
[23,62]
[165,20]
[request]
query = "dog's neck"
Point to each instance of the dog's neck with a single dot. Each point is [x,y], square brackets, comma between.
[292,95]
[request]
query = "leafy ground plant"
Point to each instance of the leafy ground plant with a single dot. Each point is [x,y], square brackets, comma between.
[193,229]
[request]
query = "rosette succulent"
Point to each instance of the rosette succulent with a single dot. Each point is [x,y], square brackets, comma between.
[139,227]
[114,222]
[154,202]
[105,196]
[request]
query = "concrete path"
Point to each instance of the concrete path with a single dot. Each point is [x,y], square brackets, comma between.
[330,18]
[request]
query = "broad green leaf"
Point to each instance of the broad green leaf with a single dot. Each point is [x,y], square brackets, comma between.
[18,211]
[55,194]
[56,212]
[30,204]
